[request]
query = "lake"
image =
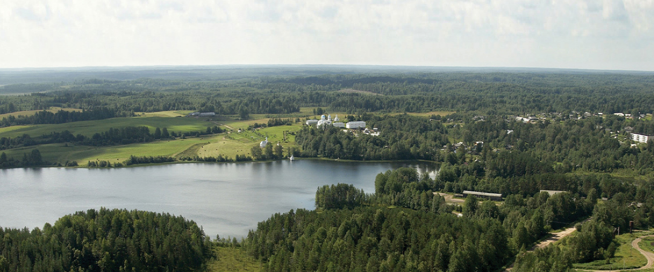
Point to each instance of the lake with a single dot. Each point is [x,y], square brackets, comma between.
[224,198]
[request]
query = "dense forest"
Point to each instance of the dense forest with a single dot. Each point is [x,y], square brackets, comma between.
[107,240]
[353,231]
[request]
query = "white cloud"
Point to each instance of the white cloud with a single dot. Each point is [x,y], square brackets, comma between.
[609,34]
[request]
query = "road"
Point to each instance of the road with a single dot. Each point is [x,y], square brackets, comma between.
[555,237]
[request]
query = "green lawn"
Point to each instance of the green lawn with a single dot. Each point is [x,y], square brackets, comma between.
[233,259]
[625,257]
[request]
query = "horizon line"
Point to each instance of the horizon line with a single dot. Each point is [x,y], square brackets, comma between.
[36,68]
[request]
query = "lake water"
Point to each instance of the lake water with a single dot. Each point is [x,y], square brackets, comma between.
[227,199]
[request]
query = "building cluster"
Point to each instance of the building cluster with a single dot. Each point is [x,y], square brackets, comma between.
[572,115]
[327,121]
[526,119]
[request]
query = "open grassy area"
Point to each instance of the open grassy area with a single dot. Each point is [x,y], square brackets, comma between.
[82,154]
[227,144]
[233,259]
[241,143]
[32,112]
[163,114]
[88,128]
[625,256]
[647,244]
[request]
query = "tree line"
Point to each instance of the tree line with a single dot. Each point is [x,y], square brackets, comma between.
[113,136]
[107,240]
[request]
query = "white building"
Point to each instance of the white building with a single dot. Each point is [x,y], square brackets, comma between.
[639,138]
[264,143]
[207,114]
[324,121]
[312,122]
[338,124]
[355,124]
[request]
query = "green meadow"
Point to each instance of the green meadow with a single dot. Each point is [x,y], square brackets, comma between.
[227,144]
[32,112]
[88,128]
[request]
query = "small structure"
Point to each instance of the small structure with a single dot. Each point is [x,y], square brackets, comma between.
[491,196]
[201,114]
[639,138]
[552,192]
[264,143]
[355,124]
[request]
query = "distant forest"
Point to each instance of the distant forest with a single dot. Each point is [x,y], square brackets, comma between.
[483,93]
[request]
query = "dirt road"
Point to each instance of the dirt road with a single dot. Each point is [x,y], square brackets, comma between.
[450,198]
[555,237]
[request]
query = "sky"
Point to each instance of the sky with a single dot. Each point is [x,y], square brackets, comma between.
[569,34]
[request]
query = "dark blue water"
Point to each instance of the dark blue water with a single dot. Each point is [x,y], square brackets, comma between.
[227,199]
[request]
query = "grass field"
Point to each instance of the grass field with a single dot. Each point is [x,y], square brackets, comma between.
[647,244]
[32,112]
[162,114]
[88,128]
[227,144]
[625,256]
[61,153]
[241,143]
[233,259]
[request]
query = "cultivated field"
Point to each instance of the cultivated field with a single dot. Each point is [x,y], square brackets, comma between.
[227,144]
[32,112]
[88,128]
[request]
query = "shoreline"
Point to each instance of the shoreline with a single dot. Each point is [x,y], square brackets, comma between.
[261,161]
